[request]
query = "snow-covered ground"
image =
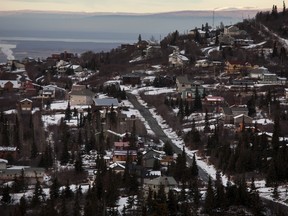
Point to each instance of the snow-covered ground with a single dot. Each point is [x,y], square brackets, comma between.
[264,191]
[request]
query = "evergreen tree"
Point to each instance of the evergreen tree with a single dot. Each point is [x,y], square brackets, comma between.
[275,193]
[220,192]
[197,101]
[6,197]
[63,208]
[168,149]
[67,192]
[34,150]
[54,191]
[78,165]
[172,203]
[207,126]
[23,205]
[65,156]
[68,113]
[38,194]
[194,168]
[209,198]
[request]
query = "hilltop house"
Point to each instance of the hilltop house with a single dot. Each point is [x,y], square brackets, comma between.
[102,103]
[236,66]
[178,60]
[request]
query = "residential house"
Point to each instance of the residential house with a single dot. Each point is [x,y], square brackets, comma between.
[236,66]
[131,79]
[101,103]
[213,100]
[203,63]
[80,95]
[3,163]
[122,155]
[242,42]
[150,156]
[234,111]
[238,110]
[257,73]
[28,88]
[26,105]
[48,91]
[31,174]
[183,83]
[153,52]
[234,31]
[178,60]
[167,181]
[240,119]
[7,152]
[117,167]
[121,145]
[9,85]
[189,93]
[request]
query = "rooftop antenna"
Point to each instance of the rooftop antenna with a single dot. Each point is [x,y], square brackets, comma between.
[213,17]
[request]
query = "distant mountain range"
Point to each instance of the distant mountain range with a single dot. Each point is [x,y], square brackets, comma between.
[120,26]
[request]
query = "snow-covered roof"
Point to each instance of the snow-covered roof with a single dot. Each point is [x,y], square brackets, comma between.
[3,161]
[14,82]
[26,99]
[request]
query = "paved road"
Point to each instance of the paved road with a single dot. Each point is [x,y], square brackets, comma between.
[155,127]
[275,208]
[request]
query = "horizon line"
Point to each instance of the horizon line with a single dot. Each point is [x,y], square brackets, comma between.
[131,13]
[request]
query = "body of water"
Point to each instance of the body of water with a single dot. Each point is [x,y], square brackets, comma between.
[43,48]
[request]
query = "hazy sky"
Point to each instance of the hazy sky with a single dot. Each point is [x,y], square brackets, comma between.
[137,6]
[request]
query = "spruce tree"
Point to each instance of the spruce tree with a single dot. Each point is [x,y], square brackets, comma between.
[209,198]
[38,194]
[6,197]
[54,190]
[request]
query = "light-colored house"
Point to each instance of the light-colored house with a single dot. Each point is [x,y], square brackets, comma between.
[26,104]
[178,60]
[182,83]
[231,30]
[154,185]
[240,119]
[80,95]
[3,163]
[31,174]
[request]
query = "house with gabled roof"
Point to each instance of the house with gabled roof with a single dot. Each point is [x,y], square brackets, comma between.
[182,83]
[178,60]
[26,105]
[150,156]
[167,181]
[80,95]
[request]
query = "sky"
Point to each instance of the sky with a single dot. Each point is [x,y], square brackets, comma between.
[133,6]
